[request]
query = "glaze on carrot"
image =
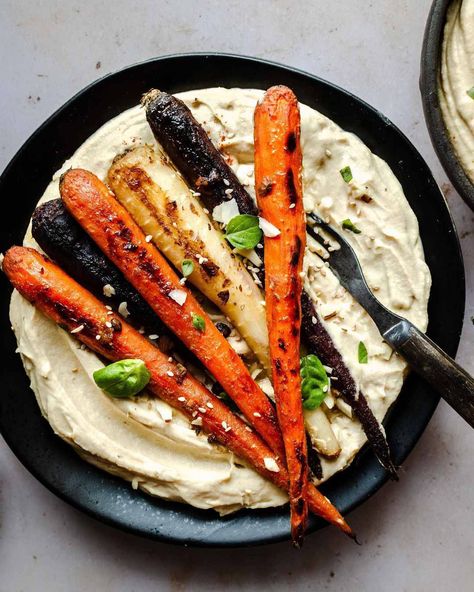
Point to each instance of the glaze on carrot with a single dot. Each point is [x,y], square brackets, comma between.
[278,167]
[113,230]
[70,305]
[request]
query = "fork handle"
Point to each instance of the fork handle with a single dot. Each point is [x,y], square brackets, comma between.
[451,381]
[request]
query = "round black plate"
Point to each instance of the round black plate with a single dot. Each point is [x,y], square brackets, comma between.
[429,81]
[112,500]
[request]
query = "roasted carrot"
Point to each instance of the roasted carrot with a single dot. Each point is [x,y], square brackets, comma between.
[70,305]
[113,230]
[278,167]
[205,170]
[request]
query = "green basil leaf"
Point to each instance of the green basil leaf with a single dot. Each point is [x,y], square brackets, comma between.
[125,378]
[346,174]
[349,225]
[198,322]
[362,353]
[243,231]
[314,381]
[187,267]
[470,92]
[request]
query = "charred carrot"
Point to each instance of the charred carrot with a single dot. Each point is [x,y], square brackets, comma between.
[70,305]
[319,340]
[278,167]
[206,171]
[192,152]
[112,228]
[66,243]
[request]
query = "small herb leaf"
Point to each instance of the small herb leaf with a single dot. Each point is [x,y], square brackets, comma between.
[349,225]
[362,353]
[198,322]
[187,267]
[314,382]
[125,378]
[346,174]
[470,92]
[243,231]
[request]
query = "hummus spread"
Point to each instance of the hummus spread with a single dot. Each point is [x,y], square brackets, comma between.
[152,445]
[457,79]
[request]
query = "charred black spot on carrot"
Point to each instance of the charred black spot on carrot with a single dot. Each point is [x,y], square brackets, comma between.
[209,268]
[134,177]
[180,373]
[281,344]
[300,506]
[299,452]
[223,296]
[65,311]
[116,325]
[295,257]
[290,142]
[290,186]
[171,206]
[154,273]
[278,366]
[265,187]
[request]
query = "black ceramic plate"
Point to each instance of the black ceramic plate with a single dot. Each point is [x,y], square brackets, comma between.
[112,500]
[429,82]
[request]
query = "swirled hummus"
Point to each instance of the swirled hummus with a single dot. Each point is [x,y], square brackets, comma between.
[456,93]
[150,444]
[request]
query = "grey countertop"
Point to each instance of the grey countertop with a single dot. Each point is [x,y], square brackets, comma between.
[417,534]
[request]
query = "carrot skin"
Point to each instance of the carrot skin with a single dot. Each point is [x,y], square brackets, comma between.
[112,228]
[204,169]
[278,165]
[70,305]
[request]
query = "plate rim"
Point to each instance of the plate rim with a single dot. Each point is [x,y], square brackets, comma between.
[313,78]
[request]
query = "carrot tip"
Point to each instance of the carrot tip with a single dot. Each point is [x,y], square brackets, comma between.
[297,544]
[353,536]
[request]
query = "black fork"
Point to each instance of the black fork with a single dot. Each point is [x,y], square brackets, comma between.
[451,381]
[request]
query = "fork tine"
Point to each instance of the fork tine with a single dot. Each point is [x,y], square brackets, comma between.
[320,222]
[327,228]
[317,237]
[323,243]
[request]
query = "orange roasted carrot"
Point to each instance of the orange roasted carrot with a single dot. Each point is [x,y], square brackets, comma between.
[278,165]
[70,305]
[123,242]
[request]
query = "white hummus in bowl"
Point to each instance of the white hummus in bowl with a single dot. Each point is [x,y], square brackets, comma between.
[152,445]
[456,85]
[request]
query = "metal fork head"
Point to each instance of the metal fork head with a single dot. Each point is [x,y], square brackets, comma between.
[341,258]
[345,265]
